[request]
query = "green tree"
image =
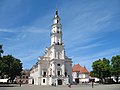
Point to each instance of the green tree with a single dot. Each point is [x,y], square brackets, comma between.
[101,68]
[92,73]
[1,64]
[3,67]
[10,67]
[115,63]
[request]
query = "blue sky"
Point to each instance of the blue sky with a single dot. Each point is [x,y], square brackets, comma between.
[91,29]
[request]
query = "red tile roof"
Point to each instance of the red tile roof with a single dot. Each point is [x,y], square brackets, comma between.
[80,69]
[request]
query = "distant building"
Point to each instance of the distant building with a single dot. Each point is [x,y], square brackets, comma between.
[80,74]
[54,68]
[24,77]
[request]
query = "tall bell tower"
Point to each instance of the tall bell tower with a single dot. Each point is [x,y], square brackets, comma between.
[57,47]
[56,32]
[54,68]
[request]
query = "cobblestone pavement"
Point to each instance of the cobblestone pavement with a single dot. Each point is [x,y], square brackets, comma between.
[73,87]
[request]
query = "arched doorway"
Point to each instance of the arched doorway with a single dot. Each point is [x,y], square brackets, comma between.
[59,82]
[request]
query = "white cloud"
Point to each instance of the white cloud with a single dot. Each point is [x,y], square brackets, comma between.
[7,30]
[90,57]
[36,30]
[102,54]
[30,57]
[86,47]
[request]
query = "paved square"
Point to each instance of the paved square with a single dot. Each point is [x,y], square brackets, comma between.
[74,87]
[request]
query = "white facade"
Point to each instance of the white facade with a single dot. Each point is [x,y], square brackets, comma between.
[81,77]
[80,74]
[54,67]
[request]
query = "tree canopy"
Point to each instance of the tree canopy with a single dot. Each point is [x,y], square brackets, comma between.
[115,63]
[103,68]
[10,67]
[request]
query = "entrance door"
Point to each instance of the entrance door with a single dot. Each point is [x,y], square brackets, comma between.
[59,82]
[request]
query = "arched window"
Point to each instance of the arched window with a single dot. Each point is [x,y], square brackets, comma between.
[57,31]
[57,21]
[58,73]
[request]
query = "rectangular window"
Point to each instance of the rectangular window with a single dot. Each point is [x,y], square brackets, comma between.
[44,74]
[58,73]
[77,74]
[26,76]
[23,76]
[43,80]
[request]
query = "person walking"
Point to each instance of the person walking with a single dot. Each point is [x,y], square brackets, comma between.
[92,84]
[69,85]
[20,83]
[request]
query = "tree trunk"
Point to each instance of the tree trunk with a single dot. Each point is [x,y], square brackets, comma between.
[117,78]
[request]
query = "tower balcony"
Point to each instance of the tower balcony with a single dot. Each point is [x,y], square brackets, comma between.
[60,76]
[58,32]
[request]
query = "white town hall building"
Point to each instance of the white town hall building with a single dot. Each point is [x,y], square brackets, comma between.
[54,68]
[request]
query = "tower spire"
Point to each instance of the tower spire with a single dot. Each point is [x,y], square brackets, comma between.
[56,12]
[56,32]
